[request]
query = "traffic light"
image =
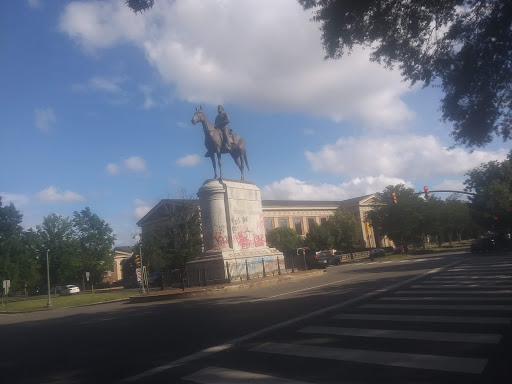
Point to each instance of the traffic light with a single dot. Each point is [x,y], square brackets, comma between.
[427,193]
[393,195]
[137,260]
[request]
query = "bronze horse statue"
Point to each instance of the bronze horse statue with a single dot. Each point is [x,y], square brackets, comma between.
[213,141]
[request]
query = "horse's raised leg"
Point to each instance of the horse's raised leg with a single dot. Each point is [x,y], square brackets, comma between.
[212,158]
[219,160]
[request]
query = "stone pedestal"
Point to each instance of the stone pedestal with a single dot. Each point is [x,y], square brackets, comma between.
[233,233]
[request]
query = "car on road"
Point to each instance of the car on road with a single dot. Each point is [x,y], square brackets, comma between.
[295,258]
[69,290]
[327,258]
[377,252]
[483,244]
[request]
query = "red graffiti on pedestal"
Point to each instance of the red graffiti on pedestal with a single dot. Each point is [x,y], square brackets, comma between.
[243,240]
[259,240]
[222,241]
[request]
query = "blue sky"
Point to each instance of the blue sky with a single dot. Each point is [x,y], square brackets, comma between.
[96,104]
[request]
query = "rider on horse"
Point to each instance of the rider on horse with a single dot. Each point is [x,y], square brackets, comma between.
[221,122]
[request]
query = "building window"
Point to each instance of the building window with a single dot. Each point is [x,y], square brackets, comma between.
[283,223]
[298,226]
[323,220]
[268,225]
[311,222]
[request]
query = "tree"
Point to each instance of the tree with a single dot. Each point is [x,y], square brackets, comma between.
[466,45]
[140,5]
[345,231]
[456,218]
[177,241]
[58,236]
[283,239]
[319,237]
[11,244]
[95,242]
[492,184]
[405,221]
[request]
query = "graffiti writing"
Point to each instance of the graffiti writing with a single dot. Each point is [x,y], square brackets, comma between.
[222,241]
[259,240]
[243,240]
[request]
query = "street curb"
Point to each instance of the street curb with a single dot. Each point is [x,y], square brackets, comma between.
[222,289]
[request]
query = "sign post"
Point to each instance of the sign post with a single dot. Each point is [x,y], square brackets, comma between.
[6,284]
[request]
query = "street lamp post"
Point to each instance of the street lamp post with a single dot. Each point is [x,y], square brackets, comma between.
[49,305]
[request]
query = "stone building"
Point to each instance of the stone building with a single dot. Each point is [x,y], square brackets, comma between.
[116,274]
[296,214]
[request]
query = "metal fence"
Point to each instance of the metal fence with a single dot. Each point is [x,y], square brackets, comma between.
[217,272]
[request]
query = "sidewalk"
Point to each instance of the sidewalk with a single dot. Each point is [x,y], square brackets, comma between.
[218,289]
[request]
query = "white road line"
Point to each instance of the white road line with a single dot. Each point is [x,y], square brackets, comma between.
[426,319]
[445,298]
[304,289]
[447,292]
[475,273]
[229,344]
[408,335]
[443,277]
[215,375]
[409,360]
[455,307]
[468,282]
[486,286]
[485,269]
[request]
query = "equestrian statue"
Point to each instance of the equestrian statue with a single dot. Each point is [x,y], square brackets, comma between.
[220,139]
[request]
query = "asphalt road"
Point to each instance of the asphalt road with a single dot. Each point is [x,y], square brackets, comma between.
[288,331]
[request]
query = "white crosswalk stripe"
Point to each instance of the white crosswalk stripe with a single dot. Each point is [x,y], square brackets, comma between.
[477,316]
[216,375]
[426,318]
[411,335]
[443,363]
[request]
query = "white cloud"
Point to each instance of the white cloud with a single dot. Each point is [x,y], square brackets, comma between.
[406,156]
[135,164]
[113,169]
[35,4]
[142,207]
[44,118]
[449,185]
[103,84]
[51,195]
[293,189]
[19,200]
[264,65]
[188,161]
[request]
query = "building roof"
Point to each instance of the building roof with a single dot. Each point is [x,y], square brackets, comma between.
[153,214]
[124,248]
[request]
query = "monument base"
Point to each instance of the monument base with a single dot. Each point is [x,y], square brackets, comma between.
[224,266]
[233,231]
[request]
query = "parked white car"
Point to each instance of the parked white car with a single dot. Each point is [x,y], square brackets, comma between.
[69,290]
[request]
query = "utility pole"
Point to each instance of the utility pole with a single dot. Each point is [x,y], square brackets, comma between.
[49,304]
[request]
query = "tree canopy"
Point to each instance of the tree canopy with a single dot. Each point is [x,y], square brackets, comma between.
[465,45]
[171,245]
[283,239]
[492,183]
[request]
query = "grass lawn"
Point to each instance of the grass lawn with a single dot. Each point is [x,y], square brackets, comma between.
[38,303]
[398,256]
